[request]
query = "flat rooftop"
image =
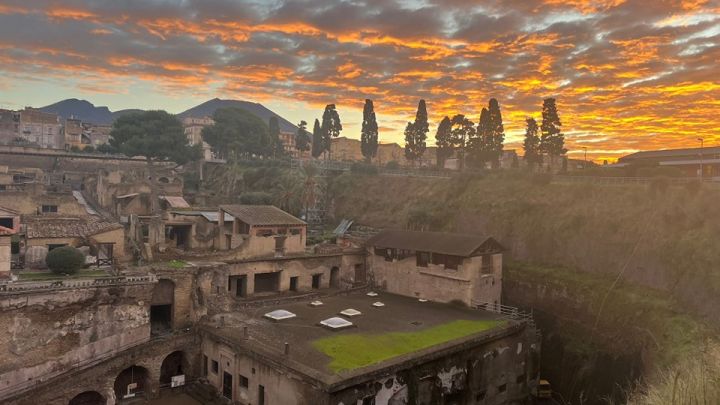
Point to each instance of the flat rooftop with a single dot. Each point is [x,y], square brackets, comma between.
[384,336]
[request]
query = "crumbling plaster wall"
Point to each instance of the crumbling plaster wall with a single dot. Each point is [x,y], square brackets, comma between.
[54,330]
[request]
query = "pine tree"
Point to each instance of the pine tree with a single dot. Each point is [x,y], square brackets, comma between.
[495,132]
[302,139]
[531,144]
[369,132]
[416,134]
[330,127]
[443,141]
[552,140]
[317,140]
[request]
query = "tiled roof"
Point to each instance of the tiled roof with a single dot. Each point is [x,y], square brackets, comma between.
[455,244]
[261,215]
[45,226]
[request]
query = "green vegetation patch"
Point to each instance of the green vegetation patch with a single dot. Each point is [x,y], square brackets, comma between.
[357,350]
[176,264]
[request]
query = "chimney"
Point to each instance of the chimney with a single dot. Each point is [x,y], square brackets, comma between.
[287,348]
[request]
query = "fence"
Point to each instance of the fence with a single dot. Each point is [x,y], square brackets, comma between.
[630,180]
[508,312]
[32,286]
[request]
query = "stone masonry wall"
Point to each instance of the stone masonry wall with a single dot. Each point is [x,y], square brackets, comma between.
[48,332]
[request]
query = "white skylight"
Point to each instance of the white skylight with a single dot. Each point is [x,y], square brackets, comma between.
[279,315]
[378,304]
[350,312]
[316,303]
[422,300]
[336,323]
[372,294]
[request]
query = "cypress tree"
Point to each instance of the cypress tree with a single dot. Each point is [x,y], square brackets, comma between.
[495,132]
[416,134]
[274,131]
[369,132]
[552,140]
[479,144]
[330,127]
[443,141]
[531,144]
[317,140]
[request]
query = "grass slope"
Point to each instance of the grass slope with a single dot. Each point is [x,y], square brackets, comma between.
[631,317]
[357,350]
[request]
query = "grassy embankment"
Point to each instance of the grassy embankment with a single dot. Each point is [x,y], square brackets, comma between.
[351,351]
[621,317]
[664,237]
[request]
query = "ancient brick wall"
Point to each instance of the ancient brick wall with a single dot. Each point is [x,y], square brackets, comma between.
[48,332]
[101,377]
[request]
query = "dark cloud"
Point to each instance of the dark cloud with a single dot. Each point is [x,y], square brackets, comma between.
[618,68]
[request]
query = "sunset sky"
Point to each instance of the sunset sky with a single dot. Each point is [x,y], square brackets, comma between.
[628,75]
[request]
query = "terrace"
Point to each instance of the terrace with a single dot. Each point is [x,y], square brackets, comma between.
[383,337]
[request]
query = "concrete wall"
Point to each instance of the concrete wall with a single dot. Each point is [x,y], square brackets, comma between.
[437,283]
[50,332]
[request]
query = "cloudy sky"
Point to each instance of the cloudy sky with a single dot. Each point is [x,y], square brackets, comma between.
[628,75]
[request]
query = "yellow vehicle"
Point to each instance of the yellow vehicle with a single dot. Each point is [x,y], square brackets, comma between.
[544,391]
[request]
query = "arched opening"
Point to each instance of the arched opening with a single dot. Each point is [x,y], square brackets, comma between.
[334,277]
[174,366]
[161,307]
[88,398]
[131,383]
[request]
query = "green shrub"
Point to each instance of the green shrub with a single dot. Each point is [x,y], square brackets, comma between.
[392,165]
[256,198]
[65,260]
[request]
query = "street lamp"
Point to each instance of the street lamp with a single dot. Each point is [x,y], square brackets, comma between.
[701,157]
[585,164]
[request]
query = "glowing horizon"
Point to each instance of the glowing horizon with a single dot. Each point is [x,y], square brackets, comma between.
[628,75]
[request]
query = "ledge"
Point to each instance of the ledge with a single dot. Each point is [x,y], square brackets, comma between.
[428,273]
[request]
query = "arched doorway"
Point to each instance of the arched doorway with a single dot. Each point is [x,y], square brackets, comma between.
[161,307]
[131,383]
[335,277]
[174,364]
[88,398]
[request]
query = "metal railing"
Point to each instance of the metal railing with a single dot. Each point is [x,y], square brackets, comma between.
[629,180]
[509,312]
